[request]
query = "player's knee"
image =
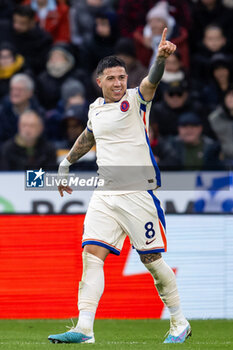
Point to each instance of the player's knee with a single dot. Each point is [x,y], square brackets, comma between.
[99,252]
[149,258]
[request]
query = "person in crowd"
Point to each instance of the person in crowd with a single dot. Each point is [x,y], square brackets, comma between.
[214,41]
[193,150]
[157,19]
[176,101]
[28,149]
[21,98]
[125,49]
[11,63]
[32,42]
[206,12]
[60,67]
[72,93]
[132,14]
[162,150]
[102,42]
[82,19]
[72,125]
[221,121]
[221,77]
[174,71]
[53,16]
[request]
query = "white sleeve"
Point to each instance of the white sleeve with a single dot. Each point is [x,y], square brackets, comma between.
[89,123]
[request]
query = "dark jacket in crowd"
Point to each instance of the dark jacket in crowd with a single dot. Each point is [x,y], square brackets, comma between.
[33,45]
[167,118]
[205,156]
[222,124]
[15,157]
[9,118]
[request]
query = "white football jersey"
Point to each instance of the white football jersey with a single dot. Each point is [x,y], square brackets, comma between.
[121,134]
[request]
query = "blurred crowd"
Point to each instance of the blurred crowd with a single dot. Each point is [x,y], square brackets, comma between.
[49,51]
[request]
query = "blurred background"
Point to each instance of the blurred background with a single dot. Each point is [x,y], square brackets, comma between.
[48,55]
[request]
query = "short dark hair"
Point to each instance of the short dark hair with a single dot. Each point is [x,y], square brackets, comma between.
[109,62]
[24,11]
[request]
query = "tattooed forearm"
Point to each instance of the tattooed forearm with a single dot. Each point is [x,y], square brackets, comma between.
[82,145]
[148,258]
[156,71]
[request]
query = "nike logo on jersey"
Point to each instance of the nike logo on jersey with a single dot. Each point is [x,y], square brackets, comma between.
[97,113]
[149,242]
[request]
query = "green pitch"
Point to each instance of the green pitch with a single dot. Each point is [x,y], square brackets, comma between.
[112,334]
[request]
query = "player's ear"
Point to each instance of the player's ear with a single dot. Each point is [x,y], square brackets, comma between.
[98,82]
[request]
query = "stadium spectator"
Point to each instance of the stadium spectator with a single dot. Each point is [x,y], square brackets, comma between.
[206,12]
[60,67]
[125,49]
[176,101]
[10,63]
[221,121]
[72,93]
[164,154]
[28,149]
[72,125]
[29,39]
[147,43]
[194,151]
[82,19]
[214,41]
[221,76]
[174,71]
[102,42]
[132,14]
[53,17]
[18,101]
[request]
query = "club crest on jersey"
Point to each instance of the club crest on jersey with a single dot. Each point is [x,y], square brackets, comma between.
[124,106]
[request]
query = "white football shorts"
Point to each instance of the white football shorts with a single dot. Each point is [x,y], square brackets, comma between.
[139,215]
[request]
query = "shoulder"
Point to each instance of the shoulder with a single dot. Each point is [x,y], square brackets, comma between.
[216,114]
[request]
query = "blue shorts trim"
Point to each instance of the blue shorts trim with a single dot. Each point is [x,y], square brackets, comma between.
[159,209]
[101,244]
[159,250]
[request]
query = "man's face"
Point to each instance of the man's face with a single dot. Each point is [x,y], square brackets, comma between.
[30,127]
[190,134]
[113,82]
[214,39]
[22,24]
[172,64]
[6,58]
[157,25]
[176,99]
[19,93]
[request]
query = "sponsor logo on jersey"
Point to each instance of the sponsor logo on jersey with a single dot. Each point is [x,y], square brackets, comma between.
[124,106]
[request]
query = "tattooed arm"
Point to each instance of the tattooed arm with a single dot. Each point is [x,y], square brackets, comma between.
[82,145]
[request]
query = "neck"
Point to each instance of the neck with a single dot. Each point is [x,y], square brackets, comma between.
[20,108]
[25,143]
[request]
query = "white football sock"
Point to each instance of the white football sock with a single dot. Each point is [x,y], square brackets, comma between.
[91,289]
[165,282]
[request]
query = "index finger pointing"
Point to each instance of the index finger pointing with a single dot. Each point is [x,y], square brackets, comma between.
[163,39]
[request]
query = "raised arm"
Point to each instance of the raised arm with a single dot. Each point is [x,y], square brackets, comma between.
[150,82]
[82,145]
